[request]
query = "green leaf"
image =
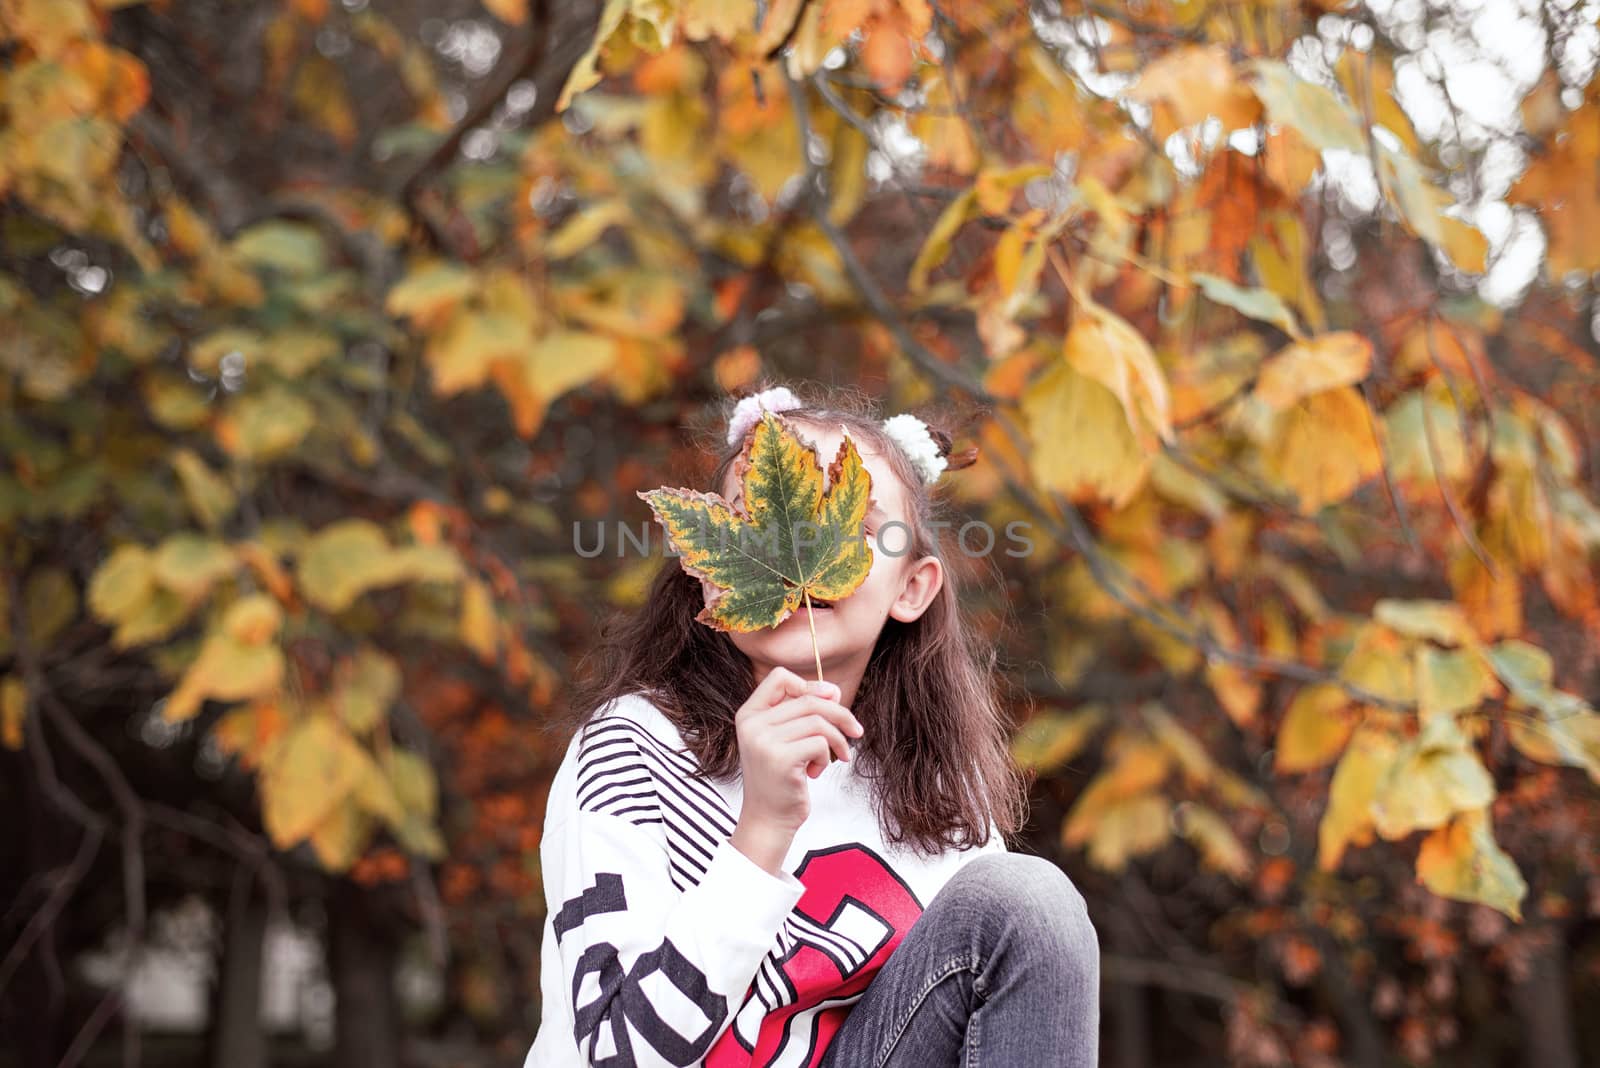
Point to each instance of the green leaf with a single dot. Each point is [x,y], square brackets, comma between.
[267,424]
[1262,304]
[1314,111]
[795,541]
[293,248]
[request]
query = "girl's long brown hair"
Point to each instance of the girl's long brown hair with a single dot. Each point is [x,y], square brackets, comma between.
[936,745]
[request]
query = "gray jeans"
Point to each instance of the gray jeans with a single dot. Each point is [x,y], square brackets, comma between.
[1001,969]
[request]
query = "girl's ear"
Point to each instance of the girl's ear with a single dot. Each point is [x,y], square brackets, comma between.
[924,579]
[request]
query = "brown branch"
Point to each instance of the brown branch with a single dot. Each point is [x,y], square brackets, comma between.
[548,67]
[1451,504]
[226,200]
[1135,971]
[133,879]
[816,187]
[1386,468]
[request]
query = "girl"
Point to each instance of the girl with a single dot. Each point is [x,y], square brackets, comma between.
[722,892]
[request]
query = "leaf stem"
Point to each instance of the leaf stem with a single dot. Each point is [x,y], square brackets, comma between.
[811,622]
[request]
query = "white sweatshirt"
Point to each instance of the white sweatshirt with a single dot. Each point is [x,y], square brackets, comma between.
[660,934]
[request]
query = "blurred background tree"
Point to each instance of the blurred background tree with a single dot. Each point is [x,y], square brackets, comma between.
[336,331]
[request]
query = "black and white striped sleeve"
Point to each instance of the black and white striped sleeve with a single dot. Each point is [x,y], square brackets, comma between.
[655,974]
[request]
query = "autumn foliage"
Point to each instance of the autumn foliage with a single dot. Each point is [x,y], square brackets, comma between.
[321,325]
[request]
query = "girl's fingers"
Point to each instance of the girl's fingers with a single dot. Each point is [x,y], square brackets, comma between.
[779,685]
[813,726]
[815,751]
[840,716]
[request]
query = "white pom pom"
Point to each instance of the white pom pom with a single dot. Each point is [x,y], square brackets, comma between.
[747,413]
[912,435]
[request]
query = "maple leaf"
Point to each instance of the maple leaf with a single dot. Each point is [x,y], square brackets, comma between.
[797,544]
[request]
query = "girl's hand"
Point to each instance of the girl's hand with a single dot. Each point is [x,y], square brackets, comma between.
[788,729]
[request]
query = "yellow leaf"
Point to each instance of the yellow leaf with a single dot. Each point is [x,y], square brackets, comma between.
[586,72]
[461,355]
[365,687]
[375,794]
[210,498]
[1572,739]
[174,401]
[1106,348]
[1050,739]
[1492,600]
[122,583]
[479,624]
[13,711]
[1220,849]
[414,783]
[1465,244]
[1123,830]
[319,92]
[1191,84]
[48,26]
[189,565]
[1082,444]
[342,561]
[1237,691]
[1433,776]
[1290,161]
[152,619]
[1452,681]
[430,293]
[936,246]
[226,670]
[585,228]
[1348,819]
[1309,367]
[1046,108]
[1464,862]
[251,732]
[1323,448]
[312,773]
[265,425]
[341,838]
[1437,621]
[1369,82]
[297,350]
[1380,663]
[1185,748]
[253,620]
[1314,730]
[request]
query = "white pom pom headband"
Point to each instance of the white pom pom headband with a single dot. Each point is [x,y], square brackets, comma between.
[906,430]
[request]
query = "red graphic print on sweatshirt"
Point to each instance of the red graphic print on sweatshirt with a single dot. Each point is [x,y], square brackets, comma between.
[853,914]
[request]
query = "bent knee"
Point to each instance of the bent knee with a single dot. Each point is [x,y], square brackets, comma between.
[1034,889]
